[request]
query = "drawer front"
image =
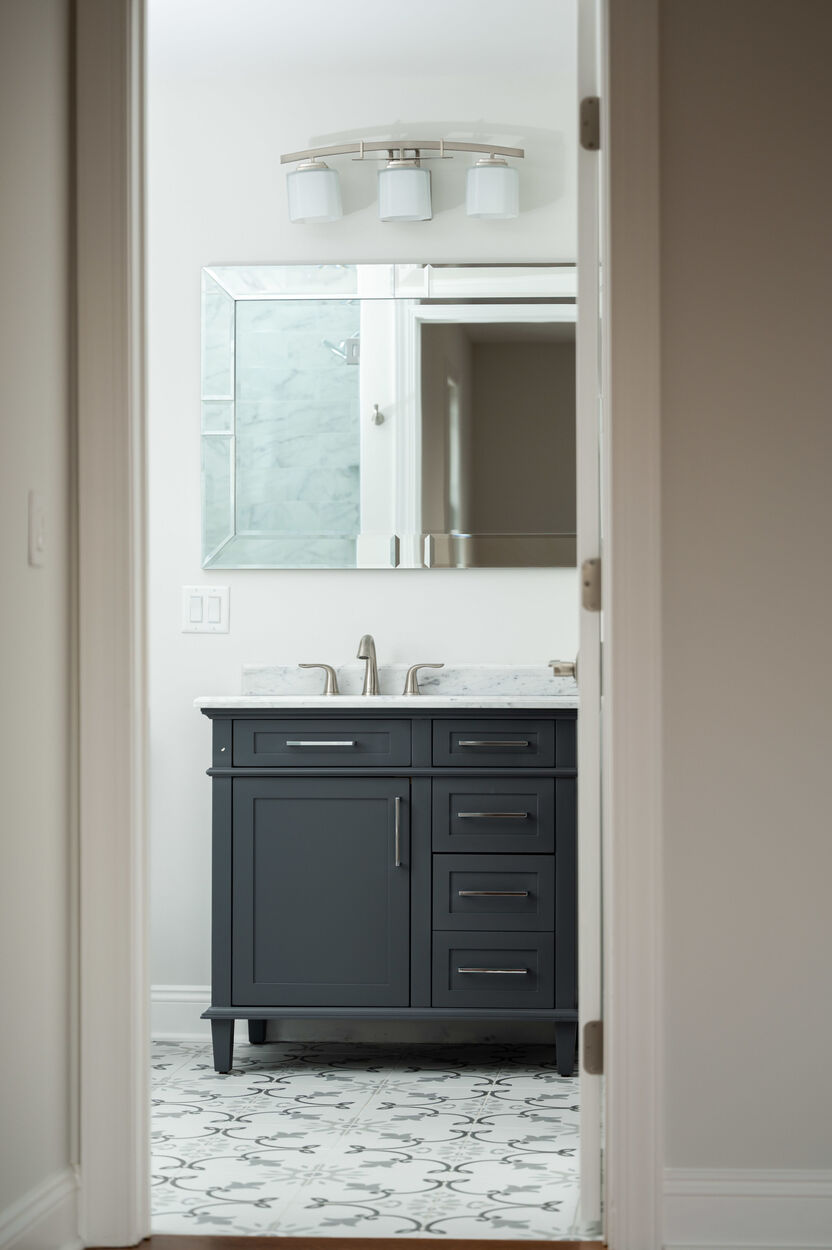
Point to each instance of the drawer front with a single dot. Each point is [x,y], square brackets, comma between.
[284,743]
[500,816]
[494,743]
[494,892]
[493,970]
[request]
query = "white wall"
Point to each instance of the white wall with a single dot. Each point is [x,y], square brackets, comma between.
[36,1046]
[746,100]
[230,87]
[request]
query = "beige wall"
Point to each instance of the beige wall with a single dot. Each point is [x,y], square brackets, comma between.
[35,376]
[523,461]
[446,359]
[746,256]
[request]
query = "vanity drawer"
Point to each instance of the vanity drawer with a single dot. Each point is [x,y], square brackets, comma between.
[493,970]
[494,892]
[502,815]
[494,743]
[299,743]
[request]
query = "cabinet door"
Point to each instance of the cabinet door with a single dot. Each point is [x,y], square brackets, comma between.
[320,898]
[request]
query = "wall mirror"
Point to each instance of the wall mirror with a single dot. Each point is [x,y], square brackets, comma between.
[388,416]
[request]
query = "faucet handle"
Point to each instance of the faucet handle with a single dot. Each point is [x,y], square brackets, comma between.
[411,682]
[331,684]
[564,668]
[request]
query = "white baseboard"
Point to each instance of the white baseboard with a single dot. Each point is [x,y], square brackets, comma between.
[729,1208]
[175,1012]
[45,1218]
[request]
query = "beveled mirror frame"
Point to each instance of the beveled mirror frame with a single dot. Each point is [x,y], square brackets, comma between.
[391,532]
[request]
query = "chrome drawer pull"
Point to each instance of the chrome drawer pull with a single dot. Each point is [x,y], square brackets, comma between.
[292,743]
[397,830]
[493,893]
[474,742]
[492,815]
[504,972]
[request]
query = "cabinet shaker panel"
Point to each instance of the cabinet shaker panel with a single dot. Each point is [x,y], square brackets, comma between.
[321,892]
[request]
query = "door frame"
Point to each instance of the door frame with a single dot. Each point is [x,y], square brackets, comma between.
[632,769]
[112,875]
[113,1013]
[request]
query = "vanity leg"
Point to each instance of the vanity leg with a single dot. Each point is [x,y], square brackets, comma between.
[566,1044]
[257,1032]
[222,1039]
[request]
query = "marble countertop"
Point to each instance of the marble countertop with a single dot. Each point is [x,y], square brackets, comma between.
[410,702]
[496,686]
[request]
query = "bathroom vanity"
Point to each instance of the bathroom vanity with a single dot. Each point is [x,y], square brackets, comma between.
[393,858]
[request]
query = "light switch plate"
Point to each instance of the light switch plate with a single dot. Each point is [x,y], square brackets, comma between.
[37,531]
[205,609]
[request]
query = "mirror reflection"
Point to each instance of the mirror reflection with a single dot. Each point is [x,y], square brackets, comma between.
[385,416]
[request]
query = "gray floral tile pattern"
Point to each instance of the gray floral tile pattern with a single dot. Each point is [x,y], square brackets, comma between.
[319,1139]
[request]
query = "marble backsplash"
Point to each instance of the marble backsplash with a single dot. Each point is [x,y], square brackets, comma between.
[453,679]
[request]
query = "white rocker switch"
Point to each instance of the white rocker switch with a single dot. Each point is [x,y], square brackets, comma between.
[205,609]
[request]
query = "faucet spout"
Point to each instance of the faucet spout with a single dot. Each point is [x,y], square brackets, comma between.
[367,652]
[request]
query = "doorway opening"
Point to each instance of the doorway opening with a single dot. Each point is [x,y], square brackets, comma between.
[463,1131]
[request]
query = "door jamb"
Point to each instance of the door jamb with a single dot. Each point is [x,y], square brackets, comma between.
[114,1100]
[112,673]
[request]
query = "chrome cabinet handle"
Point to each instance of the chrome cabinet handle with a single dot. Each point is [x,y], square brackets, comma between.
[493,893]
[397,830]
[504,972]
[474,742]
[291,742]
[492,815]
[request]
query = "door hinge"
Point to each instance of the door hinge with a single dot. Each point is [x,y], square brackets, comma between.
[594,1048]
[591,585]
[590,123]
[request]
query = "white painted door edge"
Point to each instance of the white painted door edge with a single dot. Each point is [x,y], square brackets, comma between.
[632,663]
[588,499]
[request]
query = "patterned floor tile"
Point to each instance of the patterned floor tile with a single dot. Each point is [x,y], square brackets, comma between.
[375,1141]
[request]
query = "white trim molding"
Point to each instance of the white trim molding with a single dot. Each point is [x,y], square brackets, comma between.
[113,1010]
[175,1012]
[45,1218]
[727,1208]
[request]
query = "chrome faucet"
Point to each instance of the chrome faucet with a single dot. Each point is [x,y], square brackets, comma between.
[367,652]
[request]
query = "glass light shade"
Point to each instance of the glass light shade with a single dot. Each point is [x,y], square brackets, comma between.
[314,193]
[404,193]
[492,191]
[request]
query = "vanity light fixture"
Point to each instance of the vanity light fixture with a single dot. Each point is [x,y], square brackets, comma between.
[314,193]
[404,192]
[492,190]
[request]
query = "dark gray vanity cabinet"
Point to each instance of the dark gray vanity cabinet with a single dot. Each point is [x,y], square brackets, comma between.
[377,866]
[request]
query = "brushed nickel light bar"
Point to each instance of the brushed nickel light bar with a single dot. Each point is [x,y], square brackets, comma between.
[391,146]
[492,188]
